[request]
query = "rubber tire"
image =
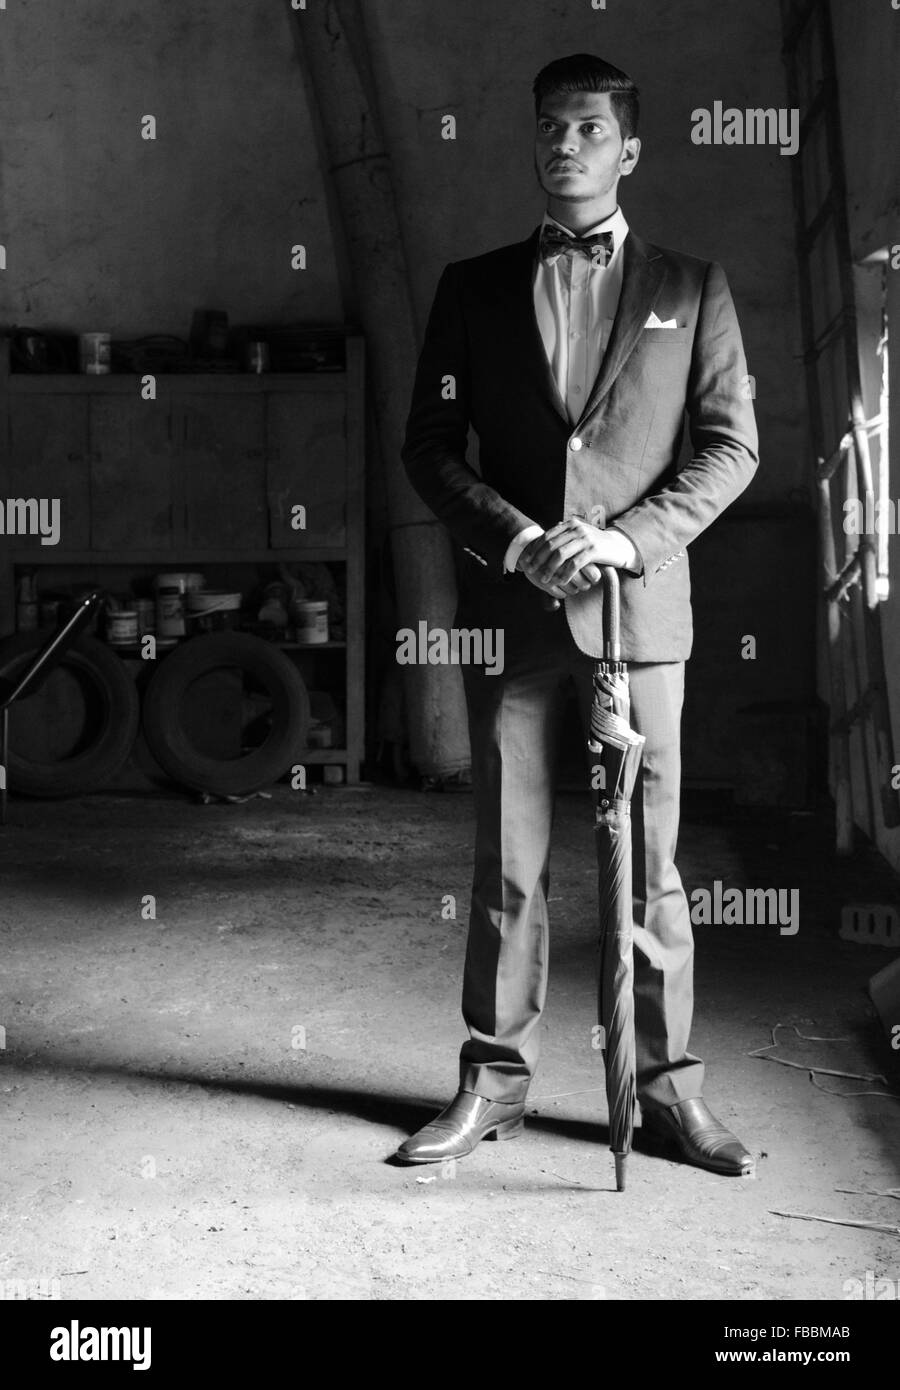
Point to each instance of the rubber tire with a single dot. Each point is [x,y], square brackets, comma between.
[97,764]
[168,742]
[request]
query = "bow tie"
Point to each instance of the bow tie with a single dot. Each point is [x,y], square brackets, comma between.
[598,246]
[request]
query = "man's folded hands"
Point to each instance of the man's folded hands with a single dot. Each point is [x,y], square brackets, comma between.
[566,559]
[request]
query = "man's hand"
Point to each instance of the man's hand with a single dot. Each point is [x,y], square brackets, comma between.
[584,579]
[566,559]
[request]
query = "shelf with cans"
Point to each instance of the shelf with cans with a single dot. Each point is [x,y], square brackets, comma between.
[253,480]
[301,609]
[183,605]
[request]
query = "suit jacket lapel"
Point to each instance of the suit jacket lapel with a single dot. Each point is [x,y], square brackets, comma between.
[521,325]
[643,274]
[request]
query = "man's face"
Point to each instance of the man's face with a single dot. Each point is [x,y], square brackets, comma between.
[579,153]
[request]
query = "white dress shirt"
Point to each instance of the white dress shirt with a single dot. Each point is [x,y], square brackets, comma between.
[575,303]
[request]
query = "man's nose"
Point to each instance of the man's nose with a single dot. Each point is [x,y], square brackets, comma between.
[566,143]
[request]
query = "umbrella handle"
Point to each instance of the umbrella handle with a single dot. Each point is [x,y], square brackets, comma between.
[612,613]
[612,645]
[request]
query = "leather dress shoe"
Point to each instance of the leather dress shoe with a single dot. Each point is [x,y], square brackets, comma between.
[466,1121]
[700,1137]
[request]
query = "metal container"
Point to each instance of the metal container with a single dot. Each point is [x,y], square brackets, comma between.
[310,618]
[94,353]
[170,591]
[210,610]
[146,614]
[169,615]
[122,627]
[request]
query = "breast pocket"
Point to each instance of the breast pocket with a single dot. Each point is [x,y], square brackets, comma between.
[670,336]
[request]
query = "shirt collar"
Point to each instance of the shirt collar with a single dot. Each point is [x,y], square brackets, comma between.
[615,223]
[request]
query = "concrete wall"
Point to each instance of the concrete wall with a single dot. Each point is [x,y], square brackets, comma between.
[107,231]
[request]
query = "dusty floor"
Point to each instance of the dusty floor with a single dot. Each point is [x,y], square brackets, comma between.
[201,1105]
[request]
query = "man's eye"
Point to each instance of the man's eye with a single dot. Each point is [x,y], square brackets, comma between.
[545,127]
[592,128]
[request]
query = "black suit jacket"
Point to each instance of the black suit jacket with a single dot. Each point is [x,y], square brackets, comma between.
[483,363]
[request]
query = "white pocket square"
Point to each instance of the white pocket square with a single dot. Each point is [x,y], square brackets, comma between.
[654,322]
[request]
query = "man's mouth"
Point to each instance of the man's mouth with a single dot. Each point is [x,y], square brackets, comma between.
[564,166]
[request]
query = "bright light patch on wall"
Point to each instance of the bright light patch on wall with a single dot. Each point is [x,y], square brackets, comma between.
[882,583]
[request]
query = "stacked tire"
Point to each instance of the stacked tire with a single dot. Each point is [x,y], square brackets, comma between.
[111,718]
[261,664]
[113,714]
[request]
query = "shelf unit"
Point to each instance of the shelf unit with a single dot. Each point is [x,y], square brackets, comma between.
[207,473]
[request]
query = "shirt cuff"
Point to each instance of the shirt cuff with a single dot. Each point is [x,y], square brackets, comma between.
[518,544]
[635,563]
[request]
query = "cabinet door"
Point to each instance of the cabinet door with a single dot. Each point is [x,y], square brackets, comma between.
[222,463]
[48,456]
[131,474]
[306,458]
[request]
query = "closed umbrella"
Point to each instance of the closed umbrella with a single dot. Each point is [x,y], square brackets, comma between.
[616,748]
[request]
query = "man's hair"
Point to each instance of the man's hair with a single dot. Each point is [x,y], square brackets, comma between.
[584,72]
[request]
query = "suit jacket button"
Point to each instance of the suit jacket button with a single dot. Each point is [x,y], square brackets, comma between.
[575,443]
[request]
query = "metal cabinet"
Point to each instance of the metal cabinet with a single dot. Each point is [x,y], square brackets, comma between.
[215,469]
[48,458]
[221,471]
[306,468]
[131,476]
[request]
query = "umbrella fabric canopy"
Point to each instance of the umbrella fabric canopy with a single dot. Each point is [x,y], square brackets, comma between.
[616,749]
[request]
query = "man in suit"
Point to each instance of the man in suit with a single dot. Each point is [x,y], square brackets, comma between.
[576,355]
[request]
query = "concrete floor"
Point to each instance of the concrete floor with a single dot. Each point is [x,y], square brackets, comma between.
[201,1105]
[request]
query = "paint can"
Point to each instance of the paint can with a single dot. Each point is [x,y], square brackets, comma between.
[211,610]
[319,736]
[146,615]
[94,353]
[310,618]
[169,614]
[170,592]
[122,627]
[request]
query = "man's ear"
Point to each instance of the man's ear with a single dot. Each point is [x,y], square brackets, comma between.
[631,153]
